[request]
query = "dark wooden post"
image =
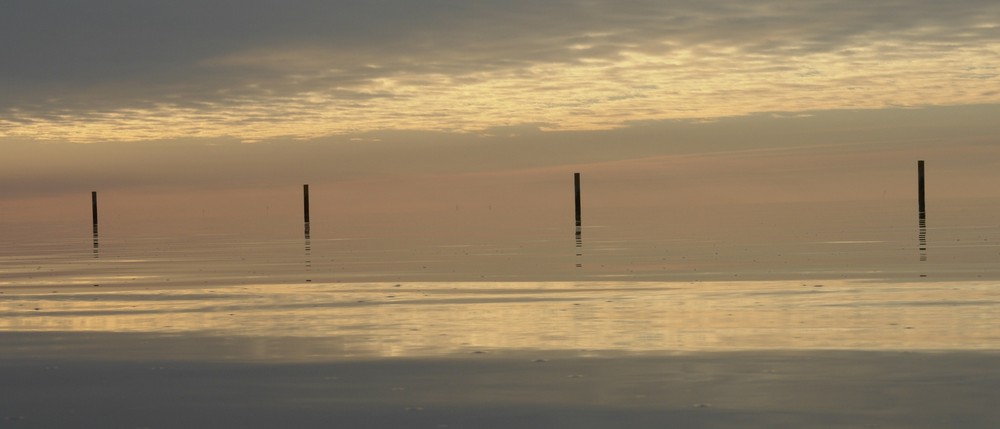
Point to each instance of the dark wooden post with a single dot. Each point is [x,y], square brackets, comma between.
[305,202]
[93,209]
[93,214]
[920,187]
[305,205]
[922,213]
[576,185]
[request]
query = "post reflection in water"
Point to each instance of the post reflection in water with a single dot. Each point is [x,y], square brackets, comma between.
[308,246]
[579,246]
[922,237]
[96,251]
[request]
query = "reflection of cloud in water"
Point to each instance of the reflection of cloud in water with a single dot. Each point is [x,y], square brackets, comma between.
[415,319]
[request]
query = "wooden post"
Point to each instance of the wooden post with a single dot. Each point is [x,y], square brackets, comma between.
[93,208]
[305,202]
[93,213]
[922,214]
[920,187]
[305,205]
[576,185]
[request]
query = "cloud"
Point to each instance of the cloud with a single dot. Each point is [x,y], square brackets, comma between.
[967,135]
[253,70]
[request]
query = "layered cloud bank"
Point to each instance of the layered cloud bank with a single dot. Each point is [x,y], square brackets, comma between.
[260,70]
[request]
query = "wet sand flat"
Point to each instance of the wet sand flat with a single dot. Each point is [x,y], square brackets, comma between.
[537,389]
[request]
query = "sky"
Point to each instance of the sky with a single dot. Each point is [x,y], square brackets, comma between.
[223,94]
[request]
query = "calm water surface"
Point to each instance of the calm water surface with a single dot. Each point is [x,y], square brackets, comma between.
[776,278]
[796,315]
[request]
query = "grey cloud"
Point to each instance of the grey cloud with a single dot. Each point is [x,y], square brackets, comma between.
[70,57]
[31,168]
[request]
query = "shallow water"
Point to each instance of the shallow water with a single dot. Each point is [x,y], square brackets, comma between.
[332,321]
[732,321]
[792,285]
